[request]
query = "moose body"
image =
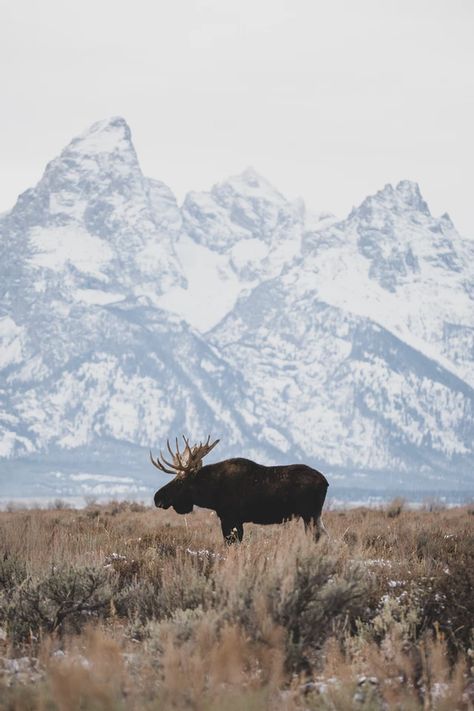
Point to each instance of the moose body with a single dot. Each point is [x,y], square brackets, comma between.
[241,491]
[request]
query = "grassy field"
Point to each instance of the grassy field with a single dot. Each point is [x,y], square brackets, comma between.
[127,607]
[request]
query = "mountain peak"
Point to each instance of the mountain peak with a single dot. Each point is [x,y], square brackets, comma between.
[104,136]
[251,184]
[98,159]
[250,176]
[410,192]
[405,195]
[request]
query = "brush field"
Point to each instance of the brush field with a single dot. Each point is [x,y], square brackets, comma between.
[126,607]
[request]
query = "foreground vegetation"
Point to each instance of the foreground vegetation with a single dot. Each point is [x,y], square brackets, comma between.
[126,607]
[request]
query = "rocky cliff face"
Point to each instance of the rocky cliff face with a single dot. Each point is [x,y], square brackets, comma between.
[125,319]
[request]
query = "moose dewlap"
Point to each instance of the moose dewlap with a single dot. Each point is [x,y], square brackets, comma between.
[240,490]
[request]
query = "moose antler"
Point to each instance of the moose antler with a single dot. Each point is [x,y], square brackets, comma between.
[187,460]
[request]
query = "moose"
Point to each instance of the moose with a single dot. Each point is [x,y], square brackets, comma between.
[240,490]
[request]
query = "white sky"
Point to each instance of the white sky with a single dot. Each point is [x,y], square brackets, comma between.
[329,99]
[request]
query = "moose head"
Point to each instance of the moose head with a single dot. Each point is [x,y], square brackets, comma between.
[184,466]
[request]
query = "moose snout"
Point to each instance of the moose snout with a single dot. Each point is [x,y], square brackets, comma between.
[160,501]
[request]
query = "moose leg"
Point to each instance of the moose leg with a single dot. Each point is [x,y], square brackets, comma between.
[315,524]
[321,527]
[231,531]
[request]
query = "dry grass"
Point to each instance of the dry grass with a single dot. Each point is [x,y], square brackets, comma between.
[125,607]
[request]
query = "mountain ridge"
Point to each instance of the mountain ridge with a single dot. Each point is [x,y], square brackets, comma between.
[112,291]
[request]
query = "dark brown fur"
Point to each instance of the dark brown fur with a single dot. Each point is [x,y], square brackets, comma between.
[241,491]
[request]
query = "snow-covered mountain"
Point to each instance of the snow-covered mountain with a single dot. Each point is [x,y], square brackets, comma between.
[125,319]
[234,237]
[92,225]
[409,271]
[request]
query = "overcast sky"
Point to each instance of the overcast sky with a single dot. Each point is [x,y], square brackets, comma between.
[329,100]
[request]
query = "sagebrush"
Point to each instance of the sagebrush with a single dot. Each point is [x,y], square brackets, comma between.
[124,607]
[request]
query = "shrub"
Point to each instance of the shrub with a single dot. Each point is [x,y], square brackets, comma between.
[317,602]
[12,574]
[64,597]
[396,507]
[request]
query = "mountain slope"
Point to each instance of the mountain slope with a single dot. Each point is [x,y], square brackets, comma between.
[353,397]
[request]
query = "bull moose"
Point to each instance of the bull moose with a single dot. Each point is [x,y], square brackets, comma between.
[240,490]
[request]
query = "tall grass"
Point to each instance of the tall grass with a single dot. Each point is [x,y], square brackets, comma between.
[126,607]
